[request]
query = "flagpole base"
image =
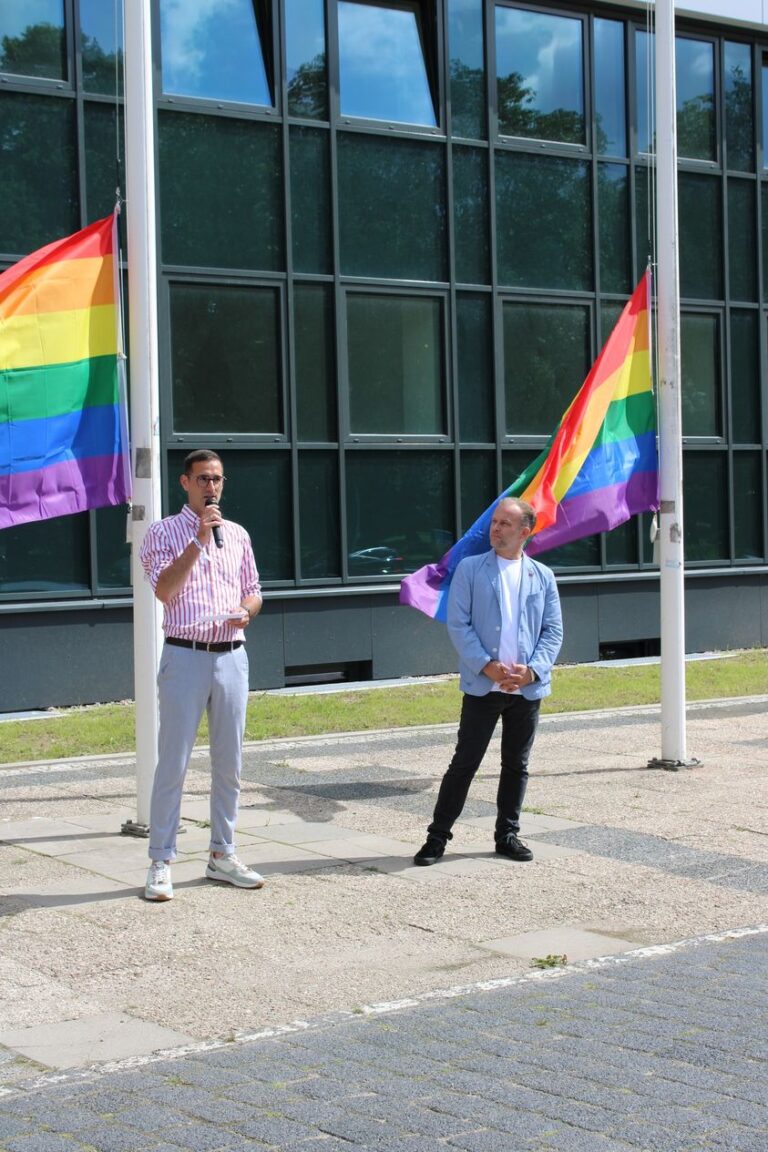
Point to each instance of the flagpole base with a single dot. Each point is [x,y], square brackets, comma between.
[133,828]
[673,765]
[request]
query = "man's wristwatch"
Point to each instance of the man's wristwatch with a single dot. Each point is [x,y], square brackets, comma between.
[200,547]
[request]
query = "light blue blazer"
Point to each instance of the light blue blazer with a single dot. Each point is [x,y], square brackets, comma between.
[474,622]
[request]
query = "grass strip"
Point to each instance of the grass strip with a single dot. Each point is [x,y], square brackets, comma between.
[109,728]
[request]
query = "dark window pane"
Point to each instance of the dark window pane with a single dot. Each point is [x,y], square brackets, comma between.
[644,86]
[540,75]
[113,554]
[621,544]
[546,360]
[745,378]
[101,45]
[700,384]
[38,172]
[742,240]
[319,514]
[315,362]
[541,200]
[413,526]
[382,64]
[395,347]
[765,112]
[701,262]
[391,208]
[478,485]
[764,206]
[613,208]
[310,201]
[234,220]
[646,244]
[101,173]
[579,554]
[705,506]
[739,108]
[32,41]
[474,341]
[514,463]
[610,103]
[695,68]
[470,208]
[225,355]
[305,59]
[267,519]
[50,556]
[213,51]
[748,506]
[467,64]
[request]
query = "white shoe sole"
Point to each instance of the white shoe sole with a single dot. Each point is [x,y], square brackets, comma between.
[158,897]
[232,881]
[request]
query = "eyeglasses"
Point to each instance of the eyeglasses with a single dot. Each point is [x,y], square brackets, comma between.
[204,481]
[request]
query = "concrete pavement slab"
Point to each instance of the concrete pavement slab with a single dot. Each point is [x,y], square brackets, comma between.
[107,1036]
[566,941]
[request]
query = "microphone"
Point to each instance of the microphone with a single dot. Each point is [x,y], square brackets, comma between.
[218,539]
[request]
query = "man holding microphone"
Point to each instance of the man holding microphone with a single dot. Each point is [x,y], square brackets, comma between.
[203,571]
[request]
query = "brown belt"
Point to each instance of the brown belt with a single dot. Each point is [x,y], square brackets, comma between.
[203,646]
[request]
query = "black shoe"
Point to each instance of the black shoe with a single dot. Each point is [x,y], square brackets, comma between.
[513,848]
[431,852]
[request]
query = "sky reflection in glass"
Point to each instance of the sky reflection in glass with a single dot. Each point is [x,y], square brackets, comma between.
[383,74]
[540,75]
[211,49]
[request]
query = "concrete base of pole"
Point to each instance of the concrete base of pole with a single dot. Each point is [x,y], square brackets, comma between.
[133,828]
[673,765]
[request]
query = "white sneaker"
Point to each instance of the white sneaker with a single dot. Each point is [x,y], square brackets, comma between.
[232,871]
[158,886]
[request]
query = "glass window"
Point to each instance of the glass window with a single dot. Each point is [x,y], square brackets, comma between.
[748,506]
[645,80]
[305,59]
[621,544]
[739,108]
[765,111]
[391,208]
[32,40]
[742,239]
[396,369]
[646,246]
[479,487]
[542,201]
[383,63]
[546,360]
[470,212]
[705,506]
[610,101]
[745,378]
[213,51]
[467,68]
[113,553]
[101,178]
[101,45]
[268,520]
[315,362]
[700,375]
[613,209]
[764,206]
[234,220]
[581,553]
[319,515]
[695,68]
[38,173]
[225,359]
[413,526]
[540,75]
[474,342]
[310,200]
[48,556]
[701,236]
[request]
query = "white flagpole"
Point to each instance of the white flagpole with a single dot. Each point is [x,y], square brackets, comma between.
[145,410]
[672,577]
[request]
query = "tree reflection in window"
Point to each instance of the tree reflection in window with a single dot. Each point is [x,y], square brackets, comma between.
[383,63]
[540,75]
[101,45]
[215,50]
[32,41]
[305,59]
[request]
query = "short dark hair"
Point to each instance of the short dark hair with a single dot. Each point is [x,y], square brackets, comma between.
[527,511]
[199,456]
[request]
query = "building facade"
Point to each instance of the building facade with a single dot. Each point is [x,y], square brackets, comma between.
[392,238]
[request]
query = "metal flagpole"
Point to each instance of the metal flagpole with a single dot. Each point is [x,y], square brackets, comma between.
[145,411]
[672,575]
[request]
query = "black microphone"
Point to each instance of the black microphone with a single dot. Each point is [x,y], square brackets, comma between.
[218,539]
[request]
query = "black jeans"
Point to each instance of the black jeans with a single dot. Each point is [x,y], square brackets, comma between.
[479,716]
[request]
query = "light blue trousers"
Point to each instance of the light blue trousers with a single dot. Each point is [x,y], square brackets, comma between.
[190,682]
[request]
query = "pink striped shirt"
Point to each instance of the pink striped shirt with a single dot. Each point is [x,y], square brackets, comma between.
[218,583]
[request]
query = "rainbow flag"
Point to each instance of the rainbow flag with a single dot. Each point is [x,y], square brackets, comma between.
[599,468]
[63,420]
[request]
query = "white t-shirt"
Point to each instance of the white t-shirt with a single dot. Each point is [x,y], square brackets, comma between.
[510,573]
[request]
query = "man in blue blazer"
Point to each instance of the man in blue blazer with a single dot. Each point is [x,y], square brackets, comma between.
[504,621]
